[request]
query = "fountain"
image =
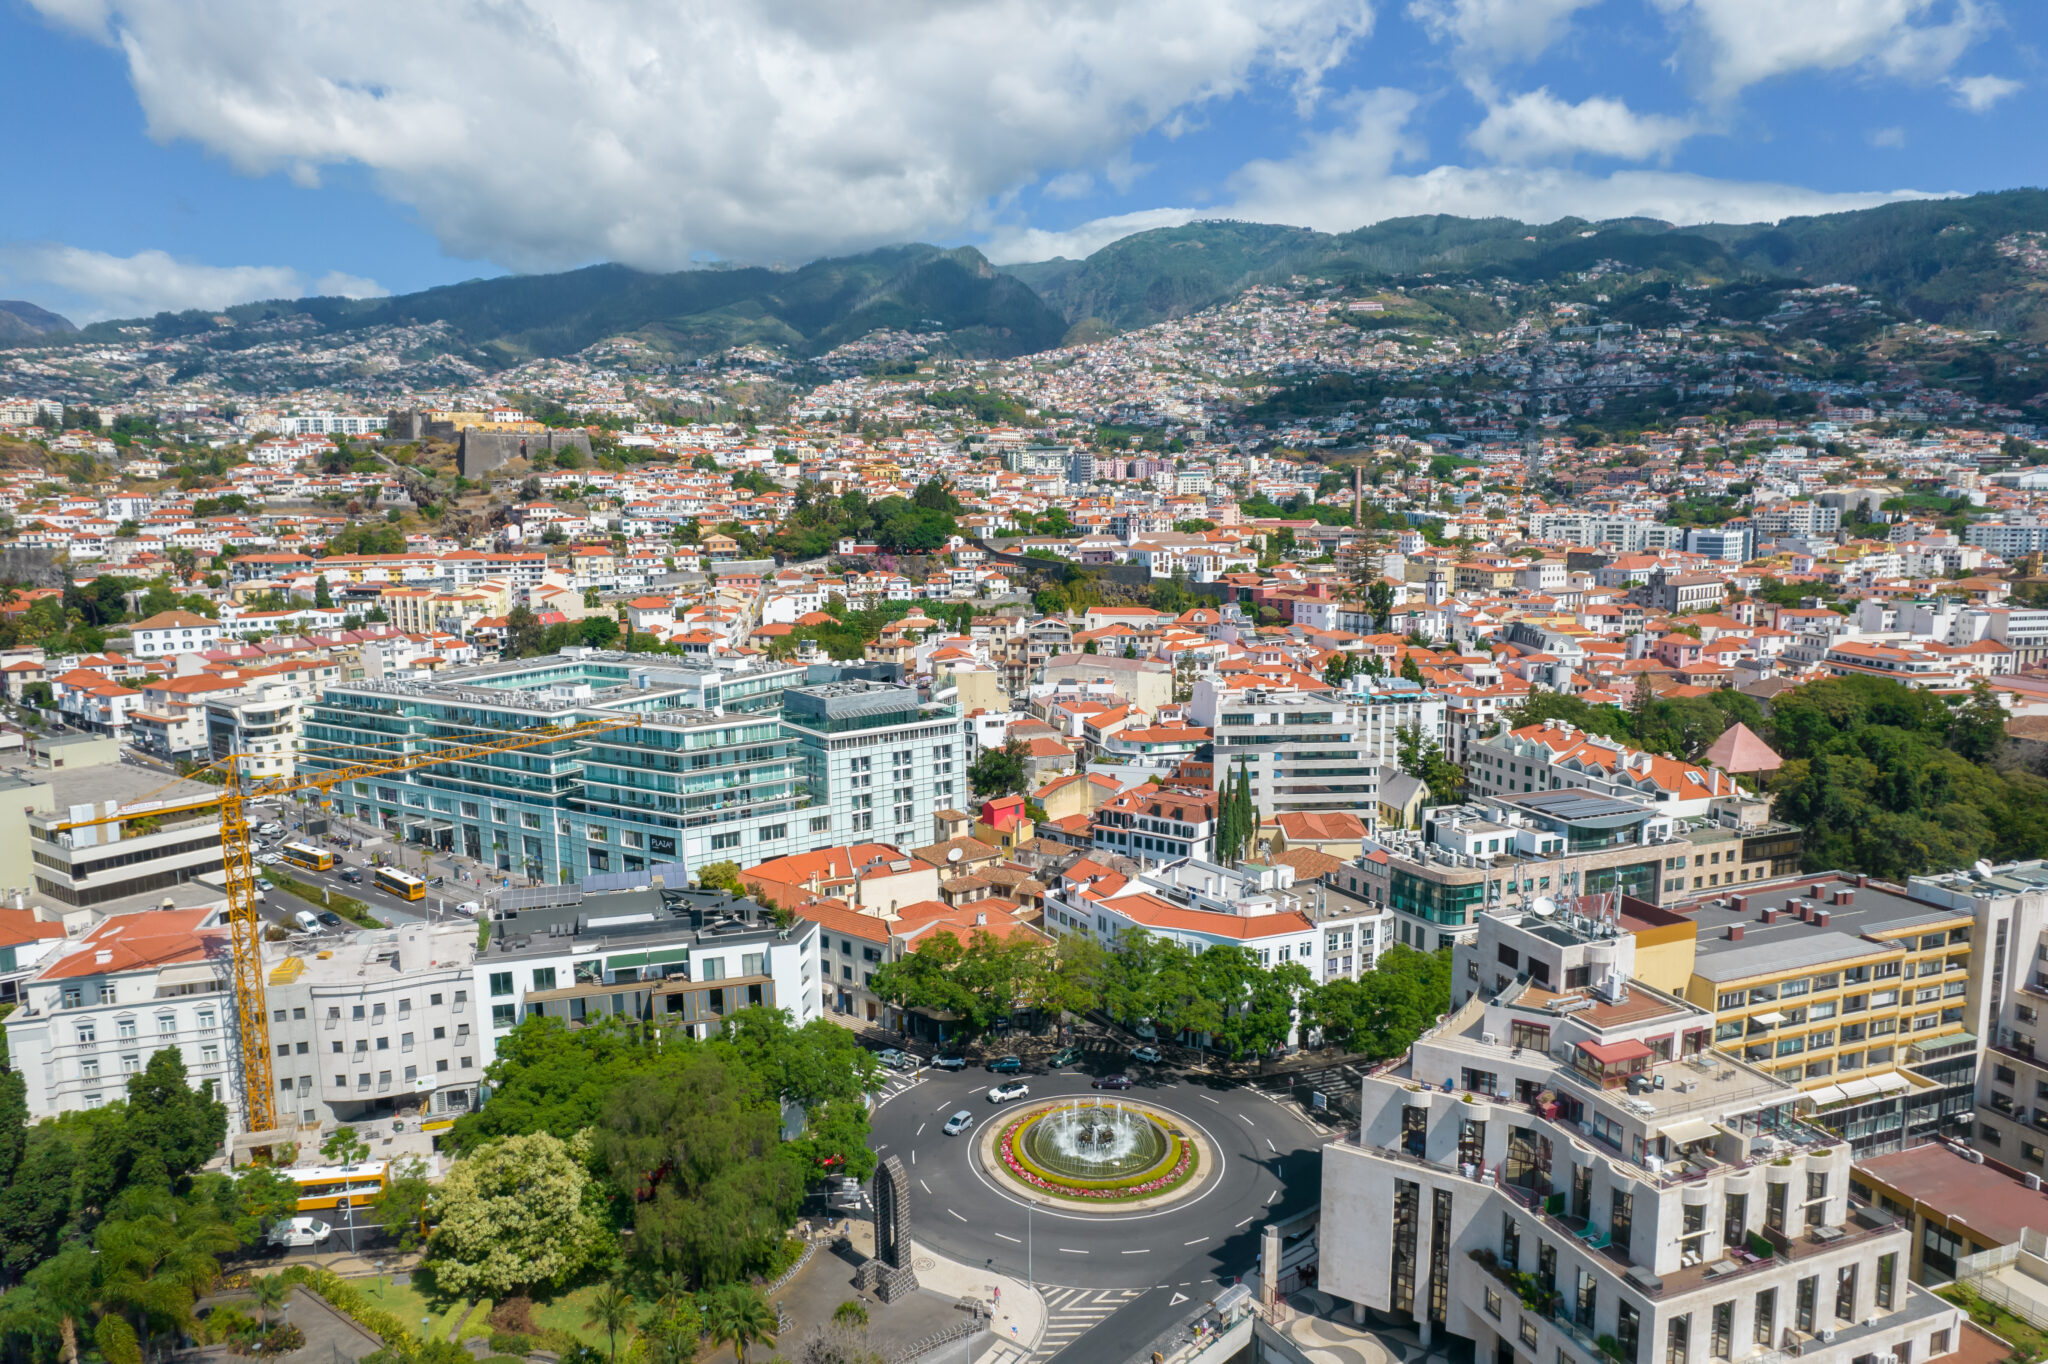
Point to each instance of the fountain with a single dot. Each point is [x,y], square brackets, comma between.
[1095,1150]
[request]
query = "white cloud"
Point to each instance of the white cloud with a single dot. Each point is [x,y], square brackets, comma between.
[655,133]
[1887,137]
[1346,178]
[1487,32]
[1978,93]
[1538,126]
[1743,42]
[94,284]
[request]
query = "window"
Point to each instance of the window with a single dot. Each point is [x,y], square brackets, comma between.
[1845,1293]
[210,1054]
[1766,1332]
[1803,1303]
[87,1034]
[1628,1326]
[719,842]
[543,978]
[502,1015]
[501,985]
[1678,1339]
[1492,1302]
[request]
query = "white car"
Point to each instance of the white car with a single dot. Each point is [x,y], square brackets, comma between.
[269,859]
[300,1231]
[959,1123]
[307,921]
[469,909]
[270,830]
[1016,1089]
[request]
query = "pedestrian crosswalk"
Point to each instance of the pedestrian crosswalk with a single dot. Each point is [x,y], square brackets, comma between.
[1071,1313]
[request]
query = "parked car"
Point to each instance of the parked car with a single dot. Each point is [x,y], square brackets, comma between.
[842,1192]
[1065,1056]
[1110,1082]
[888,1055]
[329,919]
[959,1123]
[299,1231]
[1149,1055]
[270,829]
[305,920]
[1005,1065]
[952,1060]
[1016,1089]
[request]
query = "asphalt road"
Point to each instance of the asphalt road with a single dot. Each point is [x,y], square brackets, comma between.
[1269,1166]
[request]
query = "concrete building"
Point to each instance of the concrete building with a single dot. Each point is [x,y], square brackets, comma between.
[1313,750]
[1574,1173]
[118,867]
[173,632]
[671,958]
[376,1025]
[1956,1203]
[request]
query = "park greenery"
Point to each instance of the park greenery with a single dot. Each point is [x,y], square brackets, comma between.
[1220,998]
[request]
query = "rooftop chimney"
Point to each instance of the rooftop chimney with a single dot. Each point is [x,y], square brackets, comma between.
[1820,918]
[1735,932]
[1739,903]
[1769,915]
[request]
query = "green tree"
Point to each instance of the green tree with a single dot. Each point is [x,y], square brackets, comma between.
[270,1292]
[514,1215]
[740,1316]
[524,635]
[1977,730]
[999,771]
[344,1147]
[723,876]
[1382,1012]
[611,1311]
[401,1208]
[323,595]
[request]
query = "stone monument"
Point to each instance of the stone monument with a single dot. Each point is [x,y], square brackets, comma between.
[889,1275]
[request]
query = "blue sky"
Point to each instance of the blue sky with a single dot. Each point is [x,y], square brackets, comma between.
[184,155]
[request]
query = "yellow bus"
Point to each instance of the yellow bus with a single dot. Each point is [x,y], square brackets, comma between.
[402,884]
[307,856]
[322,1187]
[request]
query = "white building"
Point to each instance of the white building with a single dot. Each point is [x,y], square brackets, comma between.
[103,1004]
[174,632]
[1314,750]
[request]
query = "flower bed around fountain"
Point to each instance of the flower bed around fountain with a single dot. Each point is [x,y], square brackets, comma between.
[1177,1162]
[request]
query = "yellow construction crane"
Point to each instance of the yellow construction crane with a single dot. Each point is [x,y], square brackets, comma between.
[245,928]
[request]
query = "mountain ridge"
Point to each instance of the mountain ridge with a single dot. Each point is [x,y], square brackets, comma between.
[1975,261]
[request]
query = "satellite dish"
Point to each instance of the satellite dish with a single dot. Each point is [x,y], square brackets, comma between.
[1981,866]
[953,854]
[1543,907]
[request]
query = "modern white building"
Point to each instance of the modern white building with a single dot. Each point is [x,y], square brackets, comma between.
[1314,750]
[373,1025]
[670,958]
[1571,1173]
[173,632]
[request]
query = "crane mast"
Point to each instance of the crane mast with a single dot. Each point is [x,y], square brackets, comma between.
[245,925]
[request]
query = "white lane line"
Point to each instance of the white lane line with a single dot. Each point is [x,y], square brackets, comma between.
[1247,1219]
[1014,1240]
[913,1157]
[1196,1242]
[1146,1251]
[977,1089]
[1217,1102]
[956,1215]
[1247,1121]
[1068,1250]
[1269,1144]
[940,1109]
[921,1126]
[922,1185]
[1273,1196]
[883,1147]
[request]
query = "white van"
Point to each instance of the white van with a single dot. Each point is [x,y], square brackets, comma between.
[300,1232]
[306,921]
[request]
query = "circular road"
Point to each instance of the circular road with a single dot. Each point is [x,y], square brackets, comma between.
[1268,1165]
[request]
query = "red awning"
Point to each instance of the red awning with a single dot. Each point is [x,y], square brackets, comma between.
[1612,1053]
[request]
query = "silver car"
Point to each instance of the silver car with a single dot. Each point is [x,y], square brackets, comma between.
[959,1123]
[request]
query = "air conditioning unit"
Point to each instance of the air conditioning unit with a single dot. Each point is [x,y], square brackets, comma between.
[1827,1335]
[1491,1039]
[2033,1181]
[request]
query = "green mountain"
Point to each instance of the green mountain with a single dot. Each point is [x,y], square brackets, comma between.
[692,312]
[21,321]
[1965,261]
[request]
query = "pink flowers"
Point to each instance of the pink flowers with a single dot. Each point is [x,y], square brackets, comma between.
[1007,1145]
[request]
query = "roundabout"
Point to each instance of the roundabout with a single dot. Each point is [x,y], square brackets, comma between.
[1164,1186]
[1096,1154]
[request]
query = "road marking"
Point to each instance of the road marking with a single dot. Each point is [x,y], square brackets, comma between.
[1146,1251]
[1014,1240]
[1273,1196]
[922,1185]
[1064,1250]
[956,1215]
[1247,1219]
[1269,1144]
[940,1109]
[1176,1300]
[921,1126]
[913,1157]
[883,1147]
[1217,1102]
[977,1089]
[1196,1242]
[1247,1121]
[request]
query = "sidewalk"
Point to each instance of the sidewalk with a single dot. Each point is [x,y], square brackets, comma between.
[1017,1312]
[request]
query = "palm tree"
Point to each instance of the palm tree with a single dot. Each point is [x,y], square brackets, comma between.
[741,1317]
[270,1292]
[850,1313]
[155,1265]
[612,1312]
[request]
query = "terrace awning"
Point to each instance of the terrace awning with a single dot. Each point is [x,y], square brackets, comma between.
[1614,1053]
[1691,1130]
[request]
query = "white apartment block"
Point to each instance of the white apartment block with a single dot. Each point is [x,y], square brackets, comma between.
[1314,750]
